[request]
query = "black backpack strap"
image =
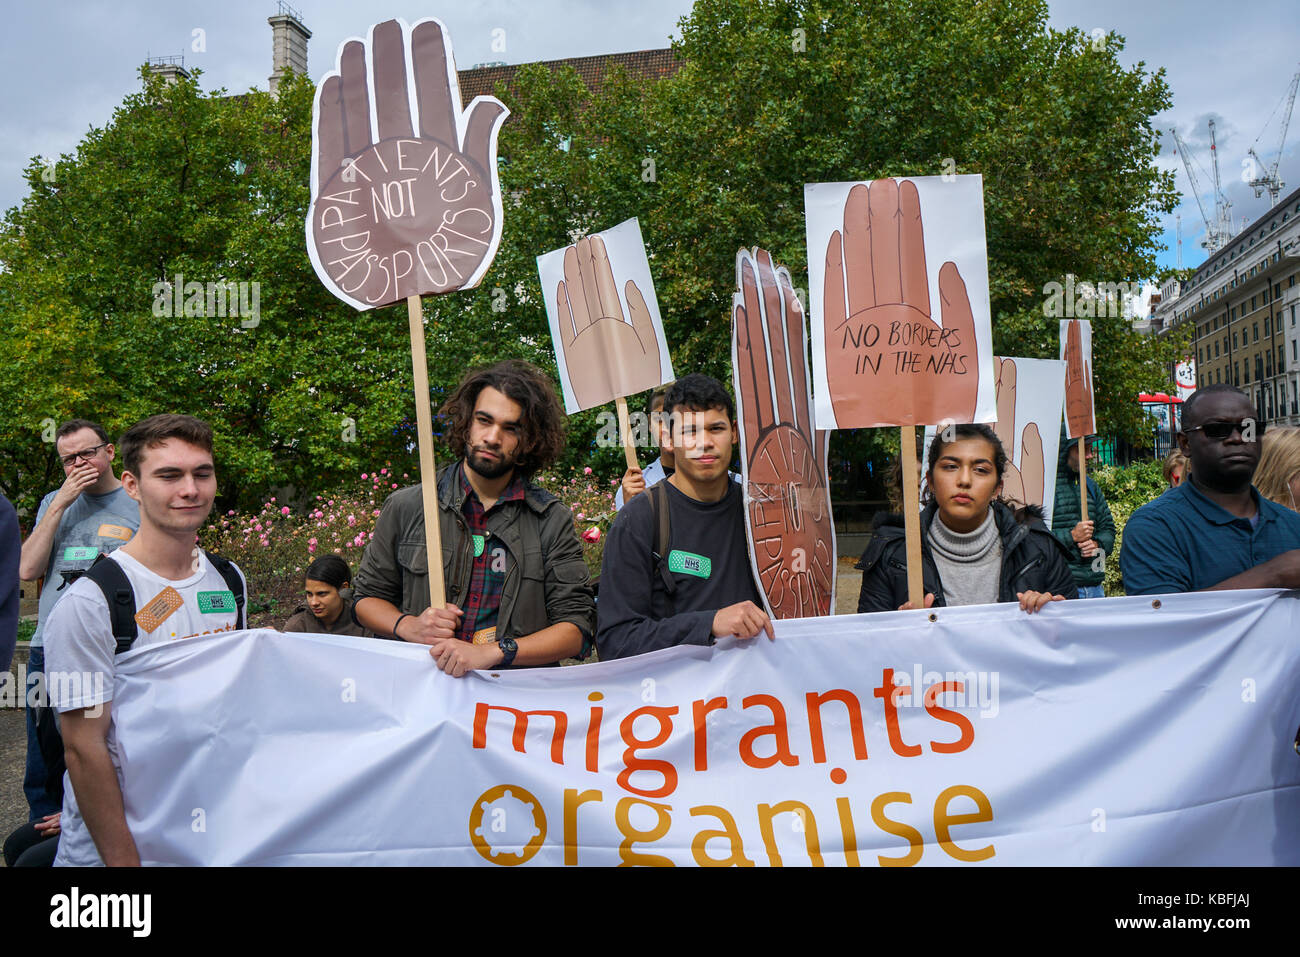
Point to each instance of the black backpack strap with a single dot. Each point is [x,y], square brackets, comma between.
[112,581]
[236,585]
[662,538]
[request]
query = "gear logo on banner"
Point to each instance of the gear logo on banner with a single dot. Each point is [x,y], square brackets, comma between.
[507,825]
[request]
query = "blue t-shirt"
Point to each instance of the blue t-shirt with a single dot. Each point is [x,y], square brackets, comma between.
[90,525]
[1182,541]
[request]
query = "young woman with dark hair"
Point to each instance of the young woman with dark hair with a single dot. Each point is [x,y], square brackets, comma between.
[328,611]
[974,549]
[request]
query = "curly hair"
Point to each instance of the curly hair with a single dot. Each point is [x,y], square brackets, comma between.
[541,426]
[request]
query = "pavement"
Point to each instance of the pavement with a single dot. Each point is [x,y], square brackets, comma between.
[13,728]
[13,751]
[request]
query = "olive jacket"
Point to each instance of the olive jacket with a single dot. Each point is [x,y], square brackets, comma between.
[546,581]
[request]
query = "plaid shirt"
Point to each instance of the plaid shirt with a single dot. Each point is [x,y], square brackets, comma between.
[488,577]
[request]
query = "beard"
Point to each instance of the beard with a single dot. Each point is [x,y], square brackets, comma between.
[486,469]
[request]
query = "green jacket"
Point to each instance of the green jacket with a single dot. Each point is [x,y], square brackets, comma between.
[1067,512]
[546,578]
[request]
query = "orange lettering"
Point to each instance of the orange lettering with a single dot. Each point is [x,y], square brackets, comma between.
[699,846]
[632,763]
[701,710]
[898,829]
[943,820]
[622,817]
[854,708]
[887,690]
[766,812]
[776,729]
[574,799]
[952,717]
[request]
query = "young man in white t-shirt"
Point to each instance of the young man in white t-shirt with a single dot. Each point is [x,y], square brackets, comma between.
[168,469]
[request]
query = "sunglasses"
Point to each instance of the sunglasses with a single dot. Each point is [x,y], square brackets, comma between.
[1221,430]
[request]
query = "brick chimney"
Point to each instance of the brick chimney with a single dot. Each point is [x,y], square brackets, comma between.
[288,43]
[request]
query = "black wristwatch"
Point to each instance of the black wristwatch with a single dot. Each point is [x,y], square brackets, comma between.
[509,647]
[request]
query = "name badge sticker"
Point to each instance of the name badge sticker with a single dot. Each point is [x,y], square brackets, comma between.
[158,609]
[115,531]
[687,563]
[217,602]
[76,553]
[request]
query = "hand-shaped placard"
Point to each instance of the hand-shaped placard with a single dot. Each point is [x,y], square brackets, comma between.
[788,512]
[892,349]
[1076,350]
[604,349]
[404,191]
[1023,484]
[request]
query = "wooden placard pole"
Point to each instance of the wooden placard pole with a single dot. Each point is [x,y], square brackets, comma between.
[1083,480]
[911,515]
[428,469]
[625,433]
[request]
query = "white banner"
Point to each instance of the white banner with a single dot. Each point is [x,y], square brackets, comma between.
[1118,731]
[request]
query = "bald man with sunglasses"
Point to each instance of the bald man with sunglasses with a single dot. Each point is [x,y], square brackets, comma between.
[1214,531]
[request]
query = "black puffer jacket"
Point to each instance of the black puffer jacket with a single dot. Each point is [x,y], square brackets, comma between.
[1032,560]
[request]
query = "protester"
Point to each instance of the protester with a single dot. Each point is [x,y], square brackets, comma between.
[1175,467]
[679,553]
[164,588]
[1278,475]
[87,516]
[974,549]
[1087,543]
[328,610]
[10,552]
[518,591]
[1214,531]
[635,480]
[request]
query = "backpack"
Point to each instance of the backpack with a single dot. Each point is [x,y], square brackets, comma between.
[112,581]
[662,537]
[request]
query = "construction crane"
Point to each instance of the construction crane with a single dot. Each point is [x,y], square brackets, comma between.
[1269,181]
[1222,207]
[1217,233]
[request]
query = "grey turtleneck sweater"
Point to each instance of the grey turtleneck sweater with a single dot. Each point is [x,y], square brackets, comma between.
[969,563]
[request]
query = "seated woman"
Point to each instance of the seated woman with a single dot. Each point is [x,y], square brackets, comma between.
[974,549]
[328,611]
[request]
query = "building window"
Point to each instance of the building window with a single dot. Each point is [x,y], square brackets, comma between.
[1234,341]
[1216,348]
[1266,326]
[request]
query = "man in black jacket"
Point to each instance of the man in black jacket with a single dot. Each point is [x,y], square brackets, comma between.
[699,587]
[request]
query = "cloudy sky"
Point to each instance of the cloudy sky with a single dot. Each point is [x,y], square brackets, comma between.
[70,62]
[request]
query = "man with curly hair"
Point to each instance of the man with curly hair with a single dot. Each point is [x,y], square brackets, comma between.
[518,591]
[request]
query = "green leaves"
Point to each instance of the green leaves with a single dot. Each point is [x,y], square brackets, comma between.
[215,188]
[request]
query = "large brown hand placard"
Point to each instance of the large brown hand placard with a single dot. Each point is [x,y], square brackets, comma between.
[605,355]
[404,202]
[888,362]
[1079,416]
[792,538]
[1021,485]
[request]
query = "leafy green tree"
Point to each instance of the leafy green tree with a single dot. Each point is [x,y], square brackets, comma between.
[772,94]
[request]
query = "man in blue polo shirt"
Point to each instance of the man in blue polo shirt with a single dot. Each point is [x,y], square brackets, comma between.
[1214,531]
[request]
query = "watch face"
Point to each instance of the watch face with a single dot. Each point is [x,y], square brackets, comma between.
[509,646]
